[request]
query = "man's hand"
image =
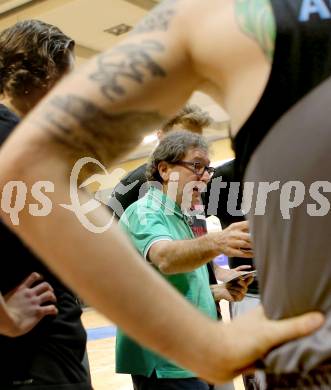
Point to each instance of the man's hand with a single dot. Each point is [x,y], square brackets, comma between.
[26,306]
[232,292]
[234,241]
[224,274]
[243,350]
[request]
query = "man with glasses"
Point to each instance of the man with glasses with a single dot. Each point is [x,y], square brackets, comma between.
[134,185]
[197,167]
[159,226]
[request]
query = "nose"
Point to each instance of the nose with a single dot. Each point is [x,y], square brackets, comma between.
[205,176]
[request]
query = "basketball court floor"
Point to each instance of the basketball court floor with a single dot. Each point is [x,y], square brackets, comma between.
[101,352]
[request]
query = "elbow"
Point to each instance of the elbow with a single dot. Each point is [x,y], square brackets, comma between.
[159,256]
[166,268]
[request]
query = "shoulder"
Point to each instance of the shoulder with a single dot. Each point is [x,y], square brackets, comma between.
[142,213]
[136,208]
[128,190]
[137,174]
[226,171]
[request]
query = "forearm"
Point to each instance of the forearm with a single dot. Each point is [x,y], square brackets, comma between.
[178,256]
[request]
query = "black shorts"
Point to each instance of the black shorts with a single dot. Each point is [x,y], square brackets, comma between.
[315,379]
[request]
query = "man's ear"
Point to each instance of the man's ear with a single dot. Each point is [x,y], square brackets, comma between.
[164,170]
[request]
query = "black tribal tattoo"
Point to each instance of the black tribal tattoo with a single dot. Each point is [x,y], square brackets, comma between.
[131,61]
[96,133]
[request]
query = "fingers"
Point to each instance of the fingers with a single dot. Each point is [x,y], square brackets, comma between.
[237,284]
[47,296]
[236,241]
[49,310]
[241,283]
[244,236]
[31,279]
[220,291]
[249,280]
[244,244]
[243,226]
[241,238]
[238,290]
[41,288]
[244,281]
[242,267]
[285,330]
[233,289]
[246,254]
[237,295]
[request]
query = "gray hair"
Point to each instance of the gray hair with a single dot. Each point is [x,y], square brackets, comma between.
[172,148]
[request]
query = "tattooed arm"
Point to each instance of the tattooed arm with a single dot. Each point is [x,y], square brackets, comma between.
[102,111]
[256,19]
[125,92]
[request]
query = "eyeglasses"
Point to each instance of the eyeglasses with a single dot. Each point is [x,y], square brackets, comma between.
[197,168]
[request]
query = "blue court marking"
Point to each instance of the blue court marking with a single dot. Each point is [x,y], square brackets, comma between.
[105,332]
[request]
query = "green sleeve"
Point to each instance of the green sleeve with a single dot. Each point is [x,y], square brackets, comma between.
[144,227]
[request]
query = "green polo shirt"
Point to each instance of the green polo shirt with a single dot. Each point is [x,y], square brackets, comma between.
[154,218]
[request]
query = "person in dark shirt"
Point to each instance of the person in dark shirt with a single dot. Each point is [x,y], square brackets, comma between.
[33,57]
[227,207]
[227,201]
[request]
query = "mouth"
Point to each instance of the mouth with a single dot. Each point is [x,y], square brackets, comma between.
[200,188]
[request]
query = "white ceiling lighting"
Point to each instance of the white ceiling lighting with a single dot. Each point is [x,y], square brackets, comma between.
[149,139]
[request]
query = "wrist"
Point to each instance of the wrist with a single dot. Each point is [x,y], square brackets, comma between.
[211,245]
[218,361]
[7,326]
[213,289]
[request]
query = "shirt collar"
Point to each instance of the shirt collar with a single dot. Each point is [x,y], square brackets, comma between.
[165,200]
